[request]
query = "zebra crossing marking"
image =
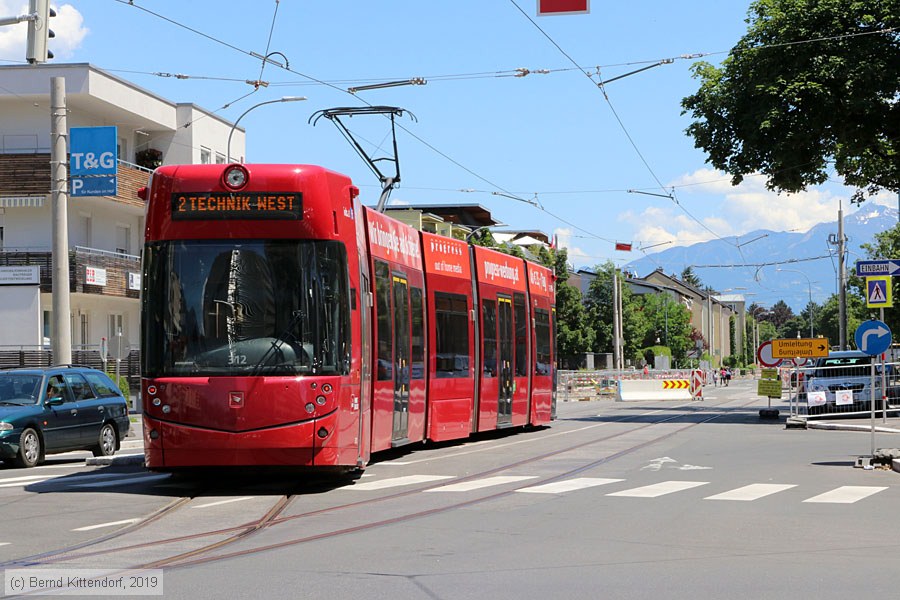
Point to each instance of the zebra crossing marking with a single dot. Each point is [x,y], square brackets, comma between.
[477,484]
[747,493]
[659,489]
[568,485]
[397,482]
[751,492]
[846,494]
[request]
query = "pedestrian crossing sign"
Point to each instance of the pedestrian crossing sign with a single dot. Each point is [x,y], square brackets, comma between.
[878,292]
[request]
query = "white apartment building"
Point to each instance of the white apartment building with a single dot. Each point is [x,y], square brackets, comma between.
[105,232]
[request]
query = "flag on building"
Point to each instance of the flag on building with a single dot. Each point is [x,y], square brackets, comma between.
[563,7]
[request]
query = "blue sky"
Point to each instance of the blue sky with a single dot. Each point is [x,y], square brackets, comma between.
[550,138]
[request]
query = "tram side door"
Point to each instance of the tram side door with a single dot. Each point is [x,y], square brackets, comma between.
[401,358]
[505,359]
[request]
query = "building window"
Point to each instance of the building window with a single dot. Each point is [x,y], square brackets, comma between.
[116,326]
[1,238]
[220,158]
[123,235]
[84,331]
[205,156]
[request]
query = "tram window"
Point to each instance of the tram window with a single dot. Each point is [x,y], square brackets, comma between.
[383,309]
[489,322]
[418,334]
[521,335]
[542,341]
[452,327]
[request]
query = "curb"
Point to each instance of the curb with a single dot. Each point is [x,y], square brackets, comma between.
[845,427]
[124,459]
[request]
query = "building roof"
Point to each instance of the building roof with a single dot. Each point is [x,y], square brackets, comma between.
[470,215]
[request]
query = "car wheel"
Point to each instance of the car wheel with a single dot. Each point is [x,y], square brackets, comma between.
[29,449]
[106,443]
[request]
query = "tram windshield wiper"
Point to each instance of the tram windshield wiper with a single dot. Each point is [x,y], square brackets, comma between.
[278,342]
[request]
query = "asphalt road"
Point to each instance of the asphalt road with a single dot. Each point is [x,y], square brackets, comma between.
[613,500]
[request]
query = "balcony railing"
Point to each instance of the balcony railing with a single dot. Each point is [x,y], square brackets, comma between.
[91,270]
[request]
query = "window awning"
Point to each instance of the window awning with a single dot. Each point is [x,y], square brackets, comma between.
[21,201]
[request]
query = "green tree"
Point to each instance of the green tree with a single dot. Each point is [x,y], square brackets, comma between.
[811,86]
[598,302]
[780,314]
[689,277]
[828,318]
[574,335]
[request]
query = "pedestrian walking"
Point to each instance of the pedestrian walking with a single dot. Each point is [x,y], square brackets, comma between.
[715,378]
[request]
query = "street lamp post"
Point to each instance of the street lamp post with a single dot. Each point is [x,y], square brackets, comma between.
[809,287]
[233,127]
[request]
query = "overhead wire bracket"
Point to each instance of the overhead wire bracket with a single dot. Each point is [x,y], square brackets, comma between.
[388,182]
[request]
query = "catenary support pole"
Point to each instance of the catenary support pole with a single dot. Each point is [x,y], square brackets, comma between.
[61,335]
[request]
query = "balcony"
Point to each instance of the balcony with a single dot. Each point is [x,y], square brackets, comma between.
[91,271]
[25,175]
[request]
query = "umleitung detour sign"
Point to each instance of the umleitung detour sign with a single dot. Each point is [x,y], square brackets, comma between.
[800,348]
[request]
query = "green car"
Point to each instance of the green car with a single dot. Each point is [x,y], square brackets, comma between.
[59,409]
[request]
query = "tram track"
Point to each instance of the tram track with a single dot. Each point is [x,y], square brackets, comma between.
[274,516]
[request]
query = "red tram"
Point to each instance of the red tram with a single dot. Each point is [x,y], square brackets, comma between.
[284,324]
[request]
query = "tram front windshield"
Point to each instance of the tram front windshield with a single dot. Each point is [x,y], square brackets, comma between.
[257,307]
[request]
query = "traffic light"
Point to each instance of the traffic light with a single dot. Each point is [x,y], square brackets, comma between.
[39,31]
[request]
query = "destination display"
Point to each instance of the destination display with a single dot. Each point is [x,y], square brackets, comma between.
[244,205]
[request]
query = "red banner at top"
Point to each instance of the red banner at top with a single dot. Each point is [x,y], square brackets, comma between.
[623,246]
[563,7]
[393,240]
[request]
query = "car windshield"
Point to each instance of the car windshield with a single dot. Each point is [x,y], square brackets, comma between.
[245,307]
[18,389]
[848,366]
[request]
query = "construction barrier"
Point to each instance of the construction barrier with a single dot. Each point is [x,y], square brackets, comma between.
[697,380]
[653,389]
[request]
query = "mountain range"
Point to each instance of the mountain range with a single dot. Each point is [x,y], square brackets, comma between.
[765,268]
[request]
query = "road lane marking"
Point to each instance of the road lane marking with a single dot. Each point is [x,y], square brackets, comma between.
[397,482]
[569,485]
[467,486]
[229,501]
[751,492]
[847,494]
[110,524]
[659,489]
[12,479]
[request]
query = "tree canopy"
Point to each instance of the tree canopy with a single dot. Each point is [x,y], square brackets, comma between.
[812,85]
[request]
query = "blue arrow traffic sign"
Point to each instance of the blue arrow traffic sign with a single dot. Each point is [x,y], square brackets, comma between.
[869,268]
[873,337]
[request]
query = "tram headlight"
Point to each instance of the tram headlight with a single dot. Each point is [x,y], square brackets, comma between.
[235,177]
[157,402]
[320,400]
[166,409]
[310,407]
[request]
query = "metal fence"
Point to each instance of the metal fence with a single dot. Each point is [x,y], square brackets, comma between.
[841,391]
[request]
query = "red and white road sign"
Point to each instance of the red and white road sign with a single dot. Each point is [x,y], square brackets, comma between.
[697,384]
[563,7]
[764,355]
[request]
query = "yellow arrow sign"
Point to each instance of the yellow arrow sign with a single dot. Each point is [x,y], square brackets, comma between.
[676,384]
[800,348]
